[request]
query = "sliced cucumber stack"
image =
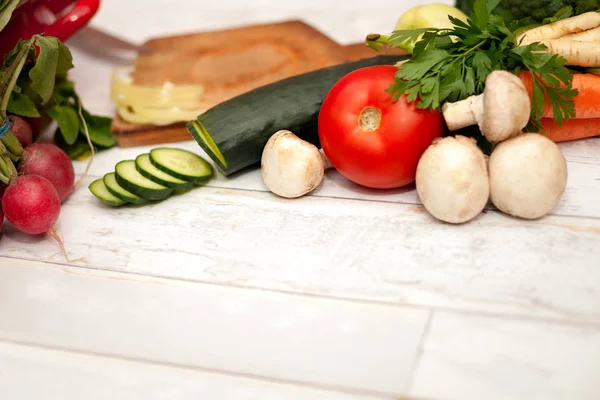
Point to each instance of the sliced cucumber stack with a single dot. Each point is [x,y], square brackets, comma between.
[152,176]
[117,190]
[98,188]
[148,170]
[129,178]
[181,164]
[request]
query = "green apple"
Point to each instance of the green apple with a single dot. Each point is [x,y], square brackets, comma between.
[429,16]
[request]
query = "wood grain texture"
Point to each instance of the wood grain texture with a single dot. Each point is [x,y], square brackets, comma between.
[472,357]
[229,62]
[580,200]
[28,373]
[325,343]
[382,251]
[377,253]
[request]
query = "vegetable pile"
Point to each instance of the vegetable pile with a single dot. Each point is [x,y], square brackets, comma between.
[42,91]
[471,116]
[534,11]
[36,177]
[35,181]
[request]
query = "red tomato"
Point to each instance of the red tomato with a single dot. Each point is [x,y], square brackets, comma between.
[370,139]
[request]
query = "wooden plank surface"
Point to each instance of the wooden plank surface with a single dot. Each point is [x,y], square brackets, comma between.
[347,293]
[327,343]
[472,357]
[383,251]
[33,372]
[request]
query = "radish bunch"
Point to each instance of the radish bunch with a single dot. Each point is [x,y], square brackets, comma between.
[35,183]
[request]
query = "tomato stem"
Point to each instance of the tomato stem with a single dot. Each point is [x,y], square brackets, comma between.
[369,119]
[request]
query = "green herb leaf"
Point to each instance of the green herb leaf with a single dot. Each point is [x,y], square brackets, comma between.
[6,10]
[482,65]
[67,120]
[443,70]
[65,59]
[22,105]
[480,15]
[44,72]
[420,65]
[79,150]
[99,129]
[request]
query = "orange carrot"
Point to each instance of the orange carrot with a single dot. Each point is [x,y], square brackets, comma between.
[573,129]
[587,101]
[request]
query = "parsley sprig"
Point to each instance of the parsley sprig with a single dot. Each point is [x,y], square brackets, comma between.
[449,65]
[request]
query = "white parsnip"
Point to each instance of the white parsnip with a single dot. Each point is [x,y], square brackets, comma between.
[558,29]
[591,35]
[579,53]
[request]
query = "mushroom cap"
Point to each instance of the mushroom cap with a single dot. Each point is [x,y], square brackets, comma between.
[452,179]
[528,175]
[506,106]
[291,167]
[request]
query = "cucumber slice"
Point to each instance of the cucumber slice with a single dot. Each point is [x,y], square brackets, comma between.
[98,189]
[148,170]
[129,178]
[181,163]
[118,191]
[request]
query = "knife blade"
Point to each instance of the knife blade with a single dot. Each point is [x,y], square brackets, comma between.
[94,39]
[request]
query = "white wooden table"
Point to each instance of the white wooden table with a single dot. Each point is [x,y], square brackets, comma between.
[228,292]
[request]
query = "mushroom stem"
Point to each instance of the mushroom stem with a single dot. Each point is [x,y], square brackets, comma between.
[460,114]
[501,111]
[292,167]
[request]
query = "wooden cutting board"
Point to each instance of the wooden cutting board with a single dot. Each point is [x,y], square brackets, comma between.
[227,63]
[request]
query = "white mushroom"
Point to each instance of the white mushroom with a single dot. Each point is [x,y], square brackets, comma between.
[501,111]
[452,179]
[292,167]
[528,175]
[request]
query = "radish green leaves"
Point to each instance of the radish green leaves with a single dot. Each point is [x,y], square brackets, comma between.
[41,88]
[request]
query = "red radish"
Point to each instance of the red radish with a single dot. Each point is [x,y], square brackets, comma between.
[2,189]
[36,126]
[21,129]
[31,204]
[1,220]
[49,161]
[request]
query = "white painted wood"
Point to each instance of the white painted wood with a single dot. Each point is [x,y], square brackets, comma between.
[472,357]
[580,199]
[343,241]
[30,373]
[313,341]
[335,247]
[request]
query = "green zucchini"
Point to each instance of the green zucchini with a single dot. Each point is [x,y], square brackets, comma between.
[234,132]
[129,178]
[98,189]
[145,167]
[182,164]
[110,181]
